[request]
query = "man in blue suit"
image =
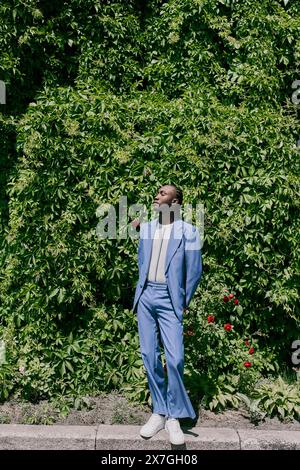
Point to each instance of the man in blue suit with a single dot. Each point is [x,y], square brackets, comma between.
[170,268]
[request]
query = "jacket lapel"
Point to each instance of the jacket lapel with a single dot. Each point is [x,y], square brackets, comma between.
[174,242]
[148,238]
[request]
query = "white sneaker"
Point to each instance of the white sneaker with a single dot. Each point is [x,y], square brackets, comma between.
[154,424]
[176,435]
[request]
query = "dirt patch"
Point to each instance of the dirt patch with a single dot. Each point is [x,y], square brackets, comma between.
[114,408]
[111,408]
[239,419]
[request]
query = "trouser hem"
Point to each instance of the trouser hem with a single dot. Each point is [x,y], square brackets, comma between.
[182,416]
[165,413]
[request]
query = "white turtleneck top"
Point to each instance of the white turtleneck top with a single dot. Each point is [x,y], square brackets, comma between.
[160,243]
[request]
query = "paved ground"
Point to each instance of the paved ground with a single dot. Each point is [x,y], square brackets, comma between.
[123,437]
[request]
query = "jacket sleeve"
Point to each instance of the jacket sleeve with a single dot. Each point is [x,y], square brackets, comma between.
[193,263]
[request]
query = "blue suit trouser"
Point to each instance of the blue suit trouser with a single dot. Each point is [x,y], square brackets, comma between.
[156,317]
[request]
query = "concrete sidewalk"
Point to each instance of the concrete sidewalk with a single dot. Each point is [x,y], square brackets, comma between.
[121,437]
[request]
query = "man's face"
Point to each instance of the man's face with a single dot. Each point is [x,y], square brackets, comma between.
[165,195]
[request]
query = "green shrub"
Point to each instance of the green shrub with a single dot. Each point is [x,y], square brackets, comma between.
[279,398]
[223,358]
[115,98]
[44,363]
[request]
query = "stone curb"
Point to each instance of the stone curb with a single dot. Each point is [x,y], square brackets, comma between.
[122,437]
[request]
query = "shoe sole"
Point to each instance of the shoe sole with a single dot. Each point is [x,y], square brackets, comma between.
[148,437]
[145,437]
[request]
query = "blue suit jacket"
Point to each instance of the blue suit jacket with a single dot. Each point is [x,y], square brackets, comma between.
[183,267]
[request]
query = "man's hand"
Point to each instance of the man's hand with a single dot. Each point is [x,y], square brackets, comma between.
[185,311]
[136,223]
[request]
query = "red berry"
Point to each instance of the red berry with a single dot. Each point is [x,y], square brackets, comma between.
[227,327]
[235,301]
[225,298]
[251,350]
[247,343]
[231,296]
[210,318]
[247,364]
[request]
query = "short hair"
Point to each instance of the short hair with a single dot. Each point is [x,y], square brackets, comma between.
[179,194]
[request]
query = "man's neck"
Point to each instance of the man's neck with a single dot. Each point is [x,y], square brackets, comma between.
[167,218]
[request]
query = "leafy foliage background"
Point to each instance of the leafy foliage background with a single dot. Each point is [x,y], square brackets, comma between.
[113,98]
